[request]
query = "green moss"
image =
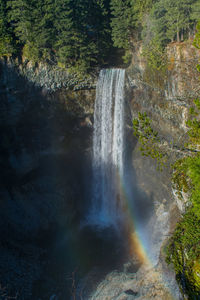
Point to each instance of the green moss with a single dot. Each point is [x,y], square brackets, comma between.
[183,251]
[156,64]
[149,140]
[156,78]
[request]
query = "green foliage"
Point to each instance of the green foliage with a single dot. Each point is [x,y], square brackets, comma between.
[186,176]
[77,34]
[195,11]
[155,55]
[197,37]
[141,9]
[122,23]
[167,21]
[194,126]
[7,47]
[148,139]
[183,251]
[155,22]
[172,19]
[84,34]
[126,22]
[74,34]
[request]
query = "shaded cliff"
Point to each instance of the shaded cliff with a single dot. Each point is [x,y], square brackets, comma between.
[50,77]
[45,154]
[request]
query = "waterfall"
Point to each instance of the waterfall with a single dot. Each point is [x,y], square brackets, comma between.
[108,148]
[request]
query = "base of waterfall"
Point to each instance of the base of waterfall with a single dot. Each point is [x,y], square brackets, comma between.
[147,283]
[102,221]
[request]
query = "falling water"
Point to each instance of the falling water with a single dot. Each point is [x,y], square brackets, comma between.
[108,147]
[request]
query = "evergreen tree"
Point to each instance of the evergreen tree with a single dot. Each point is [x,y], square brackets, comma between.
[173,18]
[178,18]
[65,41]
[77,34]
[7,46]
[122,22]
[141,9]
[195,14]
[83,33]
[73,33]
[35,29]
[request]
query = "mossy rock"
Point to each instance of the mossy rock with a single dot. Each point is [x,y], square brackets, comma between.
[195,275]
[156,78]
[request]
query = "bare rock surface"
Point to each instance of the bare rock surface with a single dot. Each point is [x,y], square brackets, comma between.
[148,283]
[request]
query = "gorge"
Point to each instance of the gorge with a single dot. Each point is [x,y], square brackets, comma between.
[84,215]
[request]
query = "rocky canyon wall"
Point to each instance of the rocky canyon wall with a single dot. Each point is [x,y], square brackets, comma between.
[45,153]
[165,96]
[46,123]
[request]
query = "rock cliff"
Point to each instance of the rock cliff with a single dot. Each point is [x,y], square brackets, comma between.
[165,96]
[46,130]
[45,140]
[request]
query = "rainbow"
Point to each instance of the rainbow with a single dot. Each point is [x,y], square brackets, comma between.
[137,246]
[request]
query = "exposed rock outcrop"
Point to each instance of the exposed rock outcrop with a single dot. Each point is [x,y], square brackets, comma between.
[50,77]
[147,284]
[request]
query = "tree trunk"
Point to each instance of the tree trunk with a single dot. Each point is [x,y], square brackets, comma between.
[178,37]
[182,38]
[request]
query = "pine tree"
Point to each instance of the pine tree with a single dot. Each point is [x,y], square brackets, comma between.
[7,43]
[122,22]
[173,18]
[195,14]
[83,33]
[75,33]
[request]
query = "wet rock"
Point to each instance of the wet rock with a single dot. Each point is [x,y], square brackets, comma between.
[147,284]
[131,292]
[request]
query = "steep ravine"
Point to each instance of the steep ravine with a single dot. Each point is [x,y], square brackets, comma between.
[46,130]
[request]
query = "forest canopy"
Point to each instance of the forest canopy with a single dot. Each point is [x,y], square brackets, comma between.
[81,34]
[73,34]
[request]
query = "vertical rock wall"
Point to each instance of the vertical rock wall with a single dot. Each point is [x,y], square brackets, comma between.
[45,140]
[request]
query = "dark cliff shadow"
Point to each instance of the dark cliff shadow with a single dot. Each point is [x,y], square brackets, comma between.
[44,159]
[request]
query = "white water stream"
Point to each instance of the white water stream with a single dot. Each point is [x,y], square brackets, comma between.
[108,148]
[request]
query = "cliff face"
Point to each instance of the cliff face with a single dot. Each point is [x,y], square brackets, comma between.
[165,96]
[45,139]
[49,77]
[46,130]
